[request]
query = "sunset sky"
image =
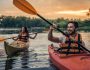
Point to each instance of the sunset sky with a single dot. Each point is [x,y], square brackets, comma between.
[49,8]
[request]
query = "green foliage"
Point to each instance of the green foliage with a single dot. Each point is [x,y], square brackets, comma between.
[17,22]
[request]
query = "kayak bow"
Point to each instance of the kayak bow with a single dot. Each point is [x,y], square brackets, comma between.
[70,62]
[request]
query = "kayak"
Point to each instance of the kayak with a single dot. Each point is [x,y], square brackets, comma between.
[79,61]
[13,48]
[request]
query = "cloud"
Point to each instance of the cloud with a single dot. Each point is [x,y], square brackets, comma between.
[49,8]
[11,12]
[78,12]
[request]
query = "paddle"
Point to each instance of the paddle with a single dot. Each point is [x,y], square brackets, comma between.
[3,39]
[28,8]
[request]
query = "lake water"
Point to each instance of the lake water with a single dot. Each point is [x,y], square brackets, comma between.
[37,58]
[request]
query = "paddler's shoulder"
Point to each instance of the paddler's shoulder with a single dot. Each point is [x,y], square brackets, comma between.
[78,34]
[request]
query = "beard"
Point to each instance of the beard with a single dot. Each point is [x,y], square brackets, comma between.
[71,32]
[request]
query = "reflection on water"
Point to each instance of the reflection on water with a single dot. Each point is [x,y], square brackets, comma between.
[37,58]
[26,61]
[11,61]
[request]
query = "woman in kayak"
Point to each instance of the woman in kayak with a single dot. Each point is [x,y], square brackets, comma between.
[64,41]
[23,36]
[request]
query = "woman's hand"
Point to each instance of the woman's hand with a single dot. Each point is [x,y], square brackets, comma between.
[35,32]
[14,38]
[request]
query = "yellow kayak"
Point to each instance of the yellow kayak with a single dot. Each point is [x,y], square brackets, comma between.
[15,47]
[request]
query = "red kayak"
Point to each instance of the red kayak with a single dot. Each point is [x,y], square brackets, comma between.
[69,62]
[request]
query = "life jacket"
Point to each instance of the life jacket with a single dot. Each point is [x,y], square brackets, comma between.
[23,38]
[74,47]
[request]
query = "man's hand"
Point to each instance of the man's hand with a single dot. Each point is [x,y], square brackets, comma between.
[54,26]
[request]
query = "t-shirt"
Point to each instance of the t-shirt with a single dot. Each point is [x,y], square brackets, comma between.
[62,39]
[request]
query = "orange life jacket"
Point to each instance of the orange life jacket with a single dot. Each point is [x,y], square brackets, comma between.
[77,38]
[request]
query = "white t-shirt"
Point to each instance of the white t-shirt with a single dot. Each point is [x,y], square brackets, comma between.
[62,39]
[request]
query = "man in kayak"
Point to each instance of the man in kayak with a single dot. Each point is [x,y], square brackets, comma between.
[64,41]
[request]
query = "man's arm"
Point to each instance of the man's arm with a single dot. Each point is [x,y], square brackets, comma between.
[51,37]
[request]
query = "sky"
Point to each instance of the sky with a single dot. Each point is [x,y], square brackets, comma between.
[50,9]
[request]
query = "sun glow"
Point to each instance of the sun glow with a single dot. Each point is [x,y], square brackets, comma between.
[78,12]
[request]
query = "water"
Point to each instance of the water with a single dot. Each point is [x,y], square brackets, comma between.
[37,58]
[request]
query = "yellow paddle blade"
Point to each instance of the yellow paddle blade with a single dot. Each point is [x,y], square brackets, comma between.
[2,39]
[25,6]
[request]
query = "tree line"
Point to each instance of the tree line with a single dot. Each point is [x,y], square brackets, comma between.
[17,22]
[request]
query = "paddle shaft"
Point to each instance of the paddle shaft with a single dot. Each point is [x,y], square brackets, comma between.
[50,23]
[83,47]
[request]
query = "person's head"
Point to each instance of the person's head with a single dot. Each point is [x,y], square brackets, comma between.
[72,27]
[24,29]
